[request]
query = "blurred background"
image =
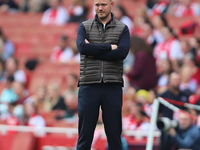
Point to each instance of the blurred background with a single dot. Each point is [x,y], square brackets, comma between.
[39,68]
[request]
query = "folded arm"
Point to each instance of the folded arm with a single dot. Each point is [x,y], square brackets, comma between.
[121,51]
[86,48]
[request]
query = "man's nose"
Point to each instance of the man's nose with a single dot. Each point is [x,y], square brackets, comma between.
[100,7]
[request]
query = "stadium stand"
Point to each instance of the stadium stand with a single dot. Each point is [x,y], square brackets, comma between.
[34,41]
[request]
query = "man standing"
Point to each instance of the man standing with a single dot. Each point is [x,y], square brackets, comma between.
[103,43]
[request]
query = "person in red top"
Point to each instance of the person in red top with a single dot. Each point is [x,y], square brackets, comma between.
[170,48]
[159,7]
[20,91]
[185,8]
[62,53]
[56,14]
[32,117]
[78,11]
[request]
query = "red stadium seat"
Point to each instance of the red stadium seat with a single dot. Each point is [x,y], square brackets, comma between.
[58,140]
[6,141]
[22,49]
[23,141]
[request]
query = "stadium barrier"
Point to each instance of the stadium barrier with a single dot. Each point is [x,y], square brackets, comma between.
[170,104]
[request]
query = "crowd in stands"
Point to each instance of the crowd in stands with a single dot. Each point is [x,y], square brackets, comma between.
[160,62]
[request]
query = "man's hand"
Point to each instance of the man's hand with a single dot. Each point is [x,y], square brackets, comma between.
[113,46]
[172,132]
[86,41]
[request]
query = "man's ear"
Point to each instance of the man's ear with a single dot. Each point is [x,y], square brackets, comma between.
[112,3]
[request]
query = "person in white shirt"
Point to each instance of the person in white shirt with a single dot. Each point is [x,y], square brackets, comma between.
[170,48]
[11,68]
[185,8]
[62,53]
[120,14]
[56,15]
[33,119]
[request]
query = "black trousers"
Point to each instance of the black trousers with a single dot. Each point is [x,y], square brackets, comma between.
[90,98]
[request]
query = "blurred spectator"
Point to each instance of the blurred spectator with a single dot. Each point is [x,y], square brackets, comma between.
[170,48]
[137,120]
[18,112]
[2,72]
[38,98]
[198,91]
[185,8]
[78,11]
[142,97]
[62,53]
[120,14]
[71,95]
[11,68]
[189,60]
[147,34]
[8,5]
[141,17]
[52,98]
[8,48]
[12,119]
[185,136]
[56,14]
[21,92]
[7,98]
[32,117]
[151,3]
[7,95]
[185,46]
[164,71]
[158,22]
[141,75]
[148,107]
[129,98]
[187,83]
[195,45]
[76,56]
[32,5]
[72,81]
[173,93]
[158,8]
[70,102]
[130,94]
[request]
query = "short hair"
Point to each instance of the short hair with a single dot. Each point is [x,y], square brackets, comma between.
[64,37]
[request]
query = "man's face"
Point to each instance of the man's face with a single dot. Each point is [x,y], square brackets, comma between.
[166,33]
[184,121]
[54,3]
[175,80]
[103,8]
[62,44]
